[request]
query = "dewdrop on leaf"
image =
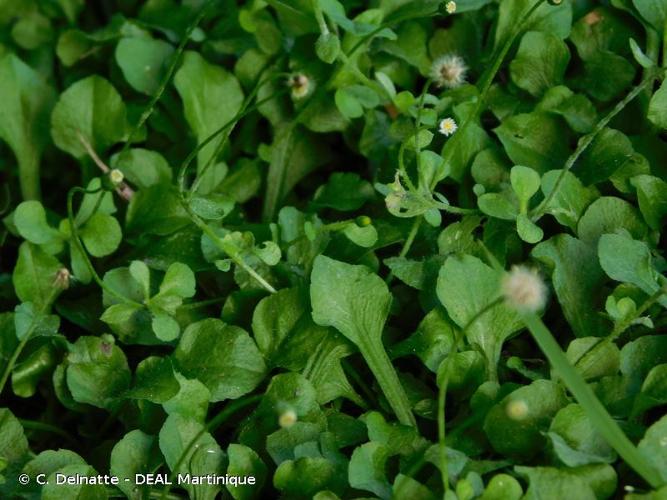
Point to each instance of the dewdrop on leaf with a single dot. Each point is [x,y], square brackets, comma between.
[287,419]
[449,71]
[447,126]
[524,290]
[300,84]
[450,7]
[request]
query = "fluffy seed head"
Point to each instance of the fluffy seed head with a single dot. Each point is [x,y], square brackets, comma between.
[449,71]
[300,85]
[517,410]
[450,7]
[287,419]
[524,290]
[447,126]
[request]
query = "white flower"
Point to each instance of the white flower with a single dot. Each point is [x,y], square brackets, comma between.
[450,7]
[449,71]
[301,85]
[447,126]
[524,290]
[287,419]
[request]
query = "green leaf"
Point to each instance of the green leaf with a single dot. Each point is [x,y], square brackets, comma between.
[652,197]
[536,140]
[609,215]
[556,19]
[165,327]
[34,275]
[90,108]
[345,192]
[589,482]
[327,47]
[498,205]
[47,462]
[502,487]
[527,230]
[97,371]
[25,316]
[221,356]
[154,381]
[13,443]
[577,280]
[367,469]
[356,302]
[514,426]
[540,62]
[136,453]
[79,490]
[143,62]
[211,98]
[30,221]
[571,199]
[101,235]
[25,103]
[305,476]
[629,261]
[142,167]
[654,11]
[243,461]
[609,151]
[525,182]
[205,457]
[575,439]
[652,446]
[465,286]
[657,108]
[178,280]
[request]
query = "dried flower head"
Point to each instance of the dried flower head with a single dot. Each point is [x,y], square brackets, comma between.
[447,126]
[300,84]
[524,289]
[62,279]
[449,71]
[450,7]
[517,409]
[287,419]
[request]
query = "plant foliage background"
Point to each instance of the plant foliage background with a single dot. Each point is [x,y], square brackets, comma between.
[236,241]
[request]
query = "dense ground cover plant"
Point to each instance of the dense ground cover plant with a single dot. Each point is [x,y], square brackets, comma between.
[389,249]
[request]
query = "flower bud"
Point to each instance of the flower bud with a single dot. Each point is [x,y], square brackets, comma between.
[62,279]
[287,419]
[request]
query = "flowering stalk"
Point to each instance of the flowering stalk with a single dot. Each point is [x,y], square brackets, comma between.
[600,418]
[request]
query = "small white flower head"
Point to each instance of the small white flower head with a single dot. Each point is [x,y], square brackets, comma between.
[517,409]
[450,7]
[524,289]
[447,126]
[449,71]
[300,85]
[116,176]
[287,419]
[62,279]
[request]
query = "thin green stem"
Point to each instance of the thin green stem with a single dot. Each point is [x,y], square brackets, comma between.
[46,306]
[29,175]
[416,224]
[167,77]
[587,140]
[214,423]
[228,249]
[600,418]
[79,246]
[442,391]
[42,426]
